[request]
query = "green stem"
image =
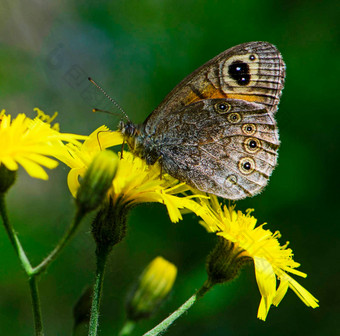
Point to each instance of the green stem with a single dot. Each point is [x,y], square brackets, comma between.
[36,306]
[101,254]
[127,328]
[13,237]
[25,263]
[161,327]
[62,243]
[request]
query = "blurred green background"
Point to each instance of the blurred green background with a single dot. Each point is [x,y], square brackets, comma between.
[138,51]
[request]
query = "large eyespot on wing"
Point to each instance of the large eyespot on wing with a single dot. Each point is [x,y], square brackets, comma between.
[252,71]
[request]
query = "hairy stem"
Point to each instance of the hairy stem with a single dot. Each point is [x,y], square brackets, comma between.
[36,306]
[101,254]
[13,237]
[161,327]
[26,265]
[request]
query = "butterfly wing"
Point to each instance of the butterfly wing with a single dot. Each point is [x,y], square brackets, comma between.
[227,147]
[252,71]
[216,129]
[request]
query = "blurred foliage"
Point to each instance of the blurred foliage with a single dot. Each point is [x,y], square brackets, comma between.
[138,51]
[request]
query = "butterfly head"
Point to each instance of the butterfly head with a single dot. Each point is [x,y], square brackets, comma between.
[128,129]
[131,134]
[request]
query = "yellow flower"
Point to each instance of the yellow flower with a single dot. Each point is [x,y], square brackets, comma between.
[271,260]
[28,143]
[154,285]
[135,182]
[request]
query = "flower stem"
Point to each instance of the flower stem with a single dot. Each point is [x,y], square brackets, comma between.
[62,243]
[25,263]
[101,254]
[127,328]
[161,327]
[13,237]
[36,306]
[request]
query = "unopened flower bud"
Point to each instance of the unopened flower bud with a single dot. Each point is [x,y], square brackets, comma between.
[97,180]
[153,287]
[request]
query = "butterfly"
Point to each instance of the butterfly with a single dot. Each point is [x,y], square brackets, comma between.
[216,129]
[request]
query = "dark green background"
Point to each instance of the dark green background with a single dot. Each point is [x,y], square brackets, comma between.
[138,51]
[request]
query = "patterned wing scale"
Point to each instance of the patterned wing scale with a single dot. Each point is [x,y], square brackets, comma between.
[228,148]
[255,73]
[252,71]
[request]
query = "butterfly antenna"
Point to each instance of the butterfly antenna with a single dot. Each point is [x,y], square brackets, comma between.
[104,111]
[111,99]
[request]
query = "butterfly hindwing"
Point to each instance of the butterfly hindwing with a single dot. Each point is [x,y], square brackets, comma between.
[230,152]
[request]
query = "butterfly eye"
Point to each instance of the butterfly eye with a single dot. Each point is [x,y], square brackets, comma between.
[249,129]
[222,107]
[246,165]
[234,118]
[252,145]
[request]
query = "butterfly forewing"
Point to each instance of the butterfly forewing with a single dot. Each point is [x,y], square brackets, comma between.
[252,71]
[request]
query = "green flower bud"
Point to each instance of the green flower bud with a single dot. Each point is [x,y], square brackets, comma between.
[153,287]
[97,181]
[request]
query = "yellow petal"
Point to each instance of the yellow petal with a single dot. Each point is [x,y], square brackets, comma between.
[174,213]
[73,179]
[103,138]
[9,163]
[281,292]
[307,298]
[32,168]
[266,281]
[43,160]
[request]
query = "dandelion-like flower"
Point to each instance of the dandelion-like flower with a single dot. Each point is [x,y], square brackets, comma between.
[135,182]
[272,261]
[30,143]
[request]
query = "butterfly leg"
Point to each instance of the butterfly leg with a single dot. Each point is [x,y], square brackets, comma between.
[161,173]
[121,151]
[160,163]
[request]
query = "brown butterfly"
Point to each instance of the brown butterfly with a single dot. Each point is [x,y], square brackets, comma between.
[216,129]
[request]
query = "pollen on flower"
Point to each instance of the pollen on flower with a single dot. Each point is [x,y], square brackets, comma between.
[47,119]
